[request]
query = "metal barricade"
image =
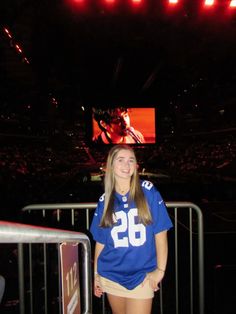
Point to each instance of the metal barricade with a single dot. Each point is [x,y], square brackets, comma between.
[192,227]
[21,233]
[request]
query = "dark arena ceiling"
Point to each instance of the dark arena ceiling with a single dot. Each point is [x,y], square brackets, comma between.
[86,53]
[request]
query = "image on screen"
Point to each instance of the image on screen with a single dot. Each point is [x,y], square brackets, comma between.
[123,125]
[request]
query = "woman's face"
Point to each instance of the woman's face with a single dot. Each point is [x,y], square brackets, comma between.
[124,164]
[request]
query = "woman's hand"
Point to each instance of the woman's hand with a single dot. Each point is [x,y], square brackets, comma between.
[97,286]
[154,278]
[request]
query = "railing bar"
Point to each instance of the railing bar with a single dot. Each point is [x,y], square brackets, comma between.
[59,279]
[59,205]
[87,219]
[31,278]
[72,217]
[176,262]
[161,299]
[58,215]
[45,278]
[92,205]
[21,277]
[103,304]
[201,261]
[191,258]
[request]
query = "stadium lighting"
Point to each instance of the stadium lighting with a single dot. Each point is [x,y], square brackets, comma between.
[136,2]
[232,4]
[7,32]
[18,48]
[209,2]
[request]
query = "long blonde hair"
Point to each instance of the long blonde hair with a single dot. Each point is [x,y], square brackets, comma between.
[136,193]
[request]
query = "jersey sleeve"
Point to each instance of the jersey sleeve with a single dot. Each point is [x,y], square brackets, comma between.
[98,232]
[161,219]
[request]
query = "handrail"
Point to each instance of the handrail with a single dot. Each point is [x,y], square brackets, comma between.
[174,205]
[20,233]
[59,206]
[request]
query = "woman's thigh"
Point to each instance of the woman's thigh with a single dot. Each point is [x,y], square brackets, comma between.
[117,304]
[121,305]
[138,306]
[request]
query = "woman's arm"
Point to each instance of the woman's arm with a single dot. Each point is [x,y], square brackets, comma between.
[156,276]
[161,250]
[98,249]
[97,287]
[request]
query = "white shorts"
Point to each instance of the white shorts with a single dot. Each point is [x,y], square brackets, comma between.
[139,292]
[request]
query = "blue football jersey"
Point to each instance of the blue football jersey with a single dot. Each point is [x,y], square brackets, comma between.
[129,251]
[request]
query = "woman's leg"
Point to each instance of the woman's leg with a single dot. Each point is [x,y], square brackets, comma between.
[138,306]
[121,305]
[117,304]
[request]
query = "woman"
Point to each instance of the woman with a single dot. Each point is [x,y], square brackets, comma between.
[130,229]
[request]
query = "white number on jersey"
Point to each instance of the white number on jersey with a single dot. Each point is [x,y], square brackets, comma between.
[102,198]
[147,184]
[136,232]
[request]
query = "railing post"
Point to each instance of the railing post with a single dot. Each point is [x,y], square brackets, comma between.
[21,278]
[201,262]
[31,278]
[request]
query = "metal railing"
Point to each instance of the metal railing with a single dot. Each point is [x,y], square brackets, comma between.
[192,227]
[21,233]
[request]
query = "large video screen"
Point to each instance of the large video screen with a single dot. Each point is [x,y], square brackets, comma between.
[123,125]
